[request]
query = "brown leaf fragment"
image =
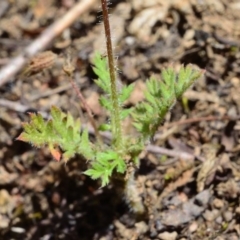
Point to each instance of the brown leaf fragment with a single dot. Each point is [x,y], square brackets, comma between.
[5,177]
[181,181]
[55,152]
[40,62]
[228,189]
[208,167]
[6,202]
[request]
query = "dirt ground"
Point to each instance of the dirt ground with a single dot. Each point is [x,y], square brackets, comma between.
[189,178]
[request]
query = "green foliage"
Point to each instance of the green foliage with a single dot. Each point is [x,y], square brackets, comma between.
[104,165]
[63,136]
[60,131]
[63,132]
[160,97]
[101,70]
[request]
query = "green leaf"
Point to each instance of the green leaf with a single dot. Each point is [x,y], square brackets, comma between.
[85,146]
[105,102]
[101,70]
[125,93]
[104,127]
[160,96]
[125,113]
[104,164]
[60,131]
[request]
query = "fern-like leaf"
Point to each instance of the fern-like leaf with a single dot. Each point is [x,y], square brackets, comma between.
[60,131]
[104,165]
[160,97]
[101,70]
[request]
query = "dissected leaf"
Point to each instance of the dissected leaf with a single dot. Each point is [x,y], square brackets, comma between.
[60,131]
[160,97]
[104,165]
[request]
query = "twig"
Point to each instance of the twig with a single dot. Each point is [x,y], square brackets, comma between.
[87,108]
[52,91]
[18,107]
[68,68]
[199,119]
[13,105]
[169,152]
[7,72]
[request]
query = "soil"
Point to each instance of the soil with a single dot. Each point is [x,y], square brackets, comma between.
[189,176]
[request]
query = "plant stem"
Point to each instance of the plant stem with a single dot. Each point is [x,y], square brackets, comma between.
[129,188]
[89,112]
[68,69]
[116,123]
[132,195]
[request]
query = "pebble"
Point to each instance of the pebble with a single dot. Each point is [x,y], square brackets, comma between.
[193,227]
[18,230]
[203,197]
[237,211]
[219,220]
[168,235]
[218,203]
[210,215]
[228,216]
[141,227]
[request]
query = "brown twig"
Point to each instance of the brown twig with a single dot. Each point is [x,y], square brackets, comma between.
[16,106]
[87,108]
[199,119]
[7,72]
[50,92]
[170,152]
[68,68]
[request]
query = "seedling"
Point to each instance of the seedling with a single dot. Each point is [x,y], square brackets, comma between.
[121,157]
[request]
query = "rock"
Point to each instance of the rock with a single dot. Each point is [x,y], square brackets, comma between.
[168,236]
[228,216]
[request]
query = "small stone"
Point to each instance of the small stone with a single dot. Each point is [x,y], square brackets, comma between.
[235,81]
[193,227]
[168,236]
[218,203]
[141,227]
[210,215]
[219,220]
[130,40]
[203,197]
[159,225]
[237,211]
[228,216]
[189,34]
[18,230]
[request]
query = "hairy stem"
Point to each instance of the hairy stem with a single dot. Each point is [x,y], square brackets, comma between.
[132,195]
[129,184]
[116,123]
